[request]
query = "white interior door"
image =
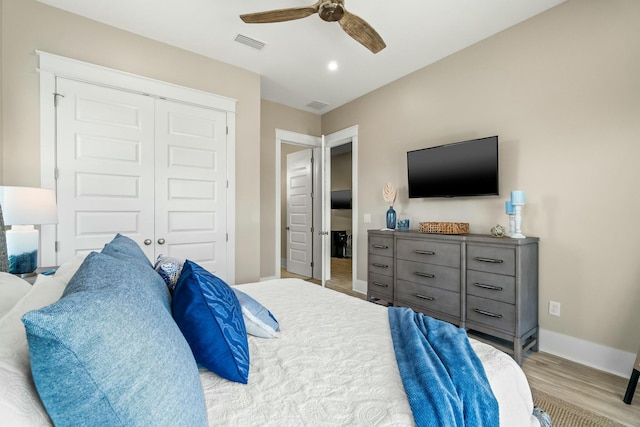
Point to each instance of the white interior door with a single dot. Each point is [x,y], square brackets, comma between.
[191,185]
[326,212]
[299,213]
[105,162]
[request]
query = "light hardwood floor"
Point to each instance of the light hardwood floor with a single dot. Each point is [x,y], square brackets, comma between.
[588,388]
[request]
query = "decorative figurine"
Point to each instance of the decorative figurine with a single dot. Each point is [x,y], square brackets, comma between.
[498,231]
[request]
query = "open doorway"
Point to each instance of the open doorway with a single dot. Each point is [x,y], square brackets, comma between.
[341,216]
[321,259]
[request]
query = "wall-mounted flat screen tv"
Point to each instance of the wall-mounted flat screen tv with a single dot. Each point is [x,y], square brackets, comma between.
[341,199]
[467,168]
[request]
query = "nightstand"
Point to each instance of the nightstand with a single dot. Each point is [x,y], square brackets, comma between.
[31,278]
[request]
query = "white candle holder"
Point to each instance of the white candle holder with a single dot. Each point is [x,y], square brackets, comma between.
[512,225]
[517,232]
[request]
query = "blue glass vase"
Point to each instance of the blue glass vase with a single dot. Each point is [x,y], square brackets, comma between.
[391,218]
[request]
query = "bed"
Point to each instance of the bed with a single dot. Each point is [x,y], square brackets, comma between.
[331,363]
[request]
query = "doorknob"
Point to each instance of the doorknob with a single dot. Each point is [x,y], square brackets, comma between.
[161,241]
[147,242]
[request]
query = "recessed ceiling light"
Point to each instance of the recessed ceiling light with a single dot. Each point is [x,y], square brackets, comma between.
[333,65]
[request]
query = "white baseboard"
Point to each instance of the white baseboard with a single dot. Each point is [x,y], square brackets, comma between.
[587,353]
[360,286]
[262,279]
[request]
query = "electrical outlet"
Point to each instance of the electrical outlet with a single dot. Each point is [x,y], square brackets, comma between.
[367,218]
[554,308]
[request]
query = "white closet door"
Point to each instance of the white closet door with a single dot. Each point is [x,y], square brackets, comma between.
[191,184]
[105,162]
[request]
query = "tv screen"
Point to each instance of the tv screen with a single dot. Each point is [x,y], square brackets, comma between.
[341,199]
[467,168]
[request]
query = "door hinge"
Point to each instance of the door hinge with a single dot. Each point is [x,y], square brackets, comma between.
[56,97]
[227,184]
[227,130]
[227,237]
[311,264]
[56,173]
[56,246]
[312,229]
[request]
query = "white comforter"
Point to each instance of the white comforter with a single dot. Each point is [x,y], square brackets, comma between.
[334,364]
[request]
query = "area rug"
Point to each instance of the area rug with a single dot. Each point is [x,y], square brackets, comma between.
[565,414]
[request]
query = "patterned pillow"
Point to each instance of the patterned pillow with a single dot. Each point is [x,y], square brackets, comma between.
[169,268]
[210,317]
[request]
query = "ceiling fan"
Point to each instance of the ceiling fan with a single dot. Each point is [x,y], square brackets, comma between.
[330,11]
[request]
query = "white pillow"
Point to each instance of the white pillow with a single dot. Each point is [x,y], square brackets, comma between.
[12,288]
[20,404]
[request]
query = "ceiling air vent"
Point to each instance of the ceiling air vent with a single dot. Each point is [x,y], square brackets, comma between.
[250,42]
[318,105]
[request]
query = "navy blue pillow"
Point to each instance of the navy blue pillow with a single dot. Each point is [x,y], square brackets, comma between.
[209,315]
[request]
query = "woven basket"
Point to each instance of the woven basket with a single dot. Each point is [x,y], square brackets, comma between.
[444,227]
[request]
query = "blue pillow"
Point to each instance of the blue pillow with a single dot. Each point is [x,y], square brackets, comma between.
[209,315]
[169,269]
[258,320]
[108,353]
[126,249]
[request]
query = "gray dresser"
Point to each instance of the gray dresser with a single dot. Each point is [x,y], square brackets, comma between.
[484,284]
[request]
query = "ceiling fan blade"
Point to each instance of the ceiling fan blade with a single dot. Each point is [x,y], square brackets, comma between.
[362,32]
[280,15]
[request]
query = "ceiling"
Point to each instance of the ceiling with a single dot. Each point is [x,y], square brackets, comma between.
[293,62]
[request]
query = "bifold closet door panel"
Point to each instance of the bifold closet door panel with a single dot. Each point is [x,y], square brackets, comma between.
[105,166]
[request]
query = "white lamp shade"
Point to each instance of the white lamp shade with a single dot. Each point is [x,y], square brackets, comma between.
[28,206]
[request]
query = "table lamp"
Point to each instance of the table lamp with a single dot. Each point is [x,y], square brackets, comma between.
[24,207]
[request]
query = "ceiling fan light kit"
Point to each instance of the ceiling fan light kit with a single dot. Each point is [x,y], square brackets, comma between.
[329,11]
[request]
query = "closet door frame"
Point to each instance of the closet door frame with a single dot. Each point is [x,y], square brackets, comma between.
[52,66]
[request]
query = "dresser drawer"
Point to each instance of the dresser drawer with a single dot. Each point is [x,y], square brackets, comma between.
[381,265]
[429,251]
[379,245]
[491,286]
[491,259]
[429,274]
[381,285]
[428,298]
[495,314]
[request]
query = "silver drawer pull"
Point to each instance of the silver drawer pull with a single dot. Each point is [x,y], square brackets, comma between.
[492,260]
[417,251]
[488,313]
[375,264]
[421,274]
[424,297]
[382,285]
[490,287]
[381,247]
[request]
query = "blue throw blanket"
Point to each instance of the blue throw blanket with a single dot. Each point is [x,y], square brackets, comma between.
[443,377]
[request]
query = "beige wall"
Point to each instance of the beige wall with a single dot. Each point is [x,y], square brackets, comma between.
[30,25]
[562,91]
[276,116]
